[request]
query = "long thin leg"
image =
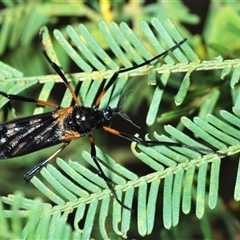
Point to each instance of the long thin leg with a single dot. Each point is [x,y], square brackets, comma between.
[38,167]
[116,74]
[102,174]
[27,99]
[133,138]
[58,70]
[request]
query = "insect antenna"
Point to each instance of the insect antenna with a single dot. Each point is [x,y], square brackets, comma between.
[122,114]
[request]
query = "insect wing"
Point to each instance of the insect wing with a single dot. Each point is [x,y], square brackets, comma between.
[25,135]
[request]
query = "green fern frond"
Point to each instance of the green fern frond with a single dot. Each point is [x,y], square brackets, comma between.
[42,221]
[183,174]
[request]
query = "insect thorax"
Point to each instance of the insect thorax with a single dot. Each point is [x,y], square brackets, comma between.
[84,119]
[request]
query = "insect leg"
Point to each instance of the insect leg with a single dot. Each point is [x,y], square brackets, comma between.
[38,167]
[57,69]
[102,174]
[116,74]
[133,138]
[27,99]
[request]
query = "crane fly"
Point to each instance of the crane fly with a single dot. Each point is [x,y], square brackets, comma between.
[62,125]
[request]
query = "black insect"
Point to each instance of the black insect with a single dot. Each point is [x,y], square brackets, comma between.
[29,134]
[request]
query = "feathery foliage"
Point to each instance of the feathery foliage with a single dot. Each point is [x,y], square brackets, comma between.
[187,93]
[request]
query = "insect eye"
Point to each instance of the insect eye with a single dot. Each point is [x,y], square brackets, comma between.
[108,113]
